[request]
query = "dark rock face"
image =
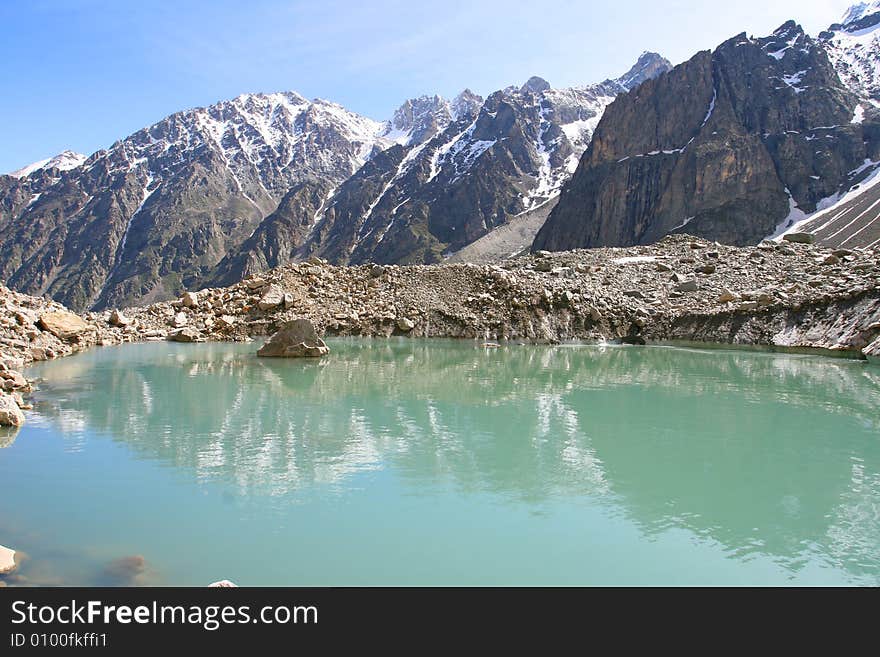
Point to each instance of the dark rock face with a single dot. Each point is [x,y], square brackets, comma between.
[279,238]
[724,147]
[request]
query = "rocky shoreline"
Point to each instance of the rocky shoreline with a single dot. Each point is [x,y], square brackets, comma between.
[786,295]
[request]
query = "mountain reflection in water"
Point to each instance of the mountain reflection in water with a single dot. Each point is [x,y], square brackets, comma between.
[776,455]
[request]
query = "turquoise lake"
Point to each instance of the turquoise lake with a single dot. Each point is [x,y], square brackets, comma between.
[408,462]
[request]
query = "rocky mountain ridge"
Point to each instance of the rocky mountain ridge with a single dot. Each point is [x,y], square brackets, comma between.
[495,160]
[732,145]
[735,164]
[172,205]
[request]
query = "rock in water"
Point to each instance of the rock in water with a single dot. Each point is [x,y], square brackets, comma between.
[7,560]
[63,325]
[296,339]
[223,584]
[10,413]
[186,334]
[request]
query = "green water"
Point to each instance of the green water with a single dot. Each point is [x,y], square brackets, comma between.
[411,462]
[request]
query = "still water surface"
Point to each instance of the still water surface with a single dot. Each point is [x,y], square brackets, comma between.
[412,462]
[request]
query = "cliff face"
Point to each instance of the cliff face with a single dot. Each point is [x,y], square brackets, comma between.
[725,146]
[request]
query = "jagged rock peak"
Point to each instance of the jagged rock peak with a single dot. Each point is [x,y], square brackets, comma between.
[466,103]
[419,119]
[414,110]
[648,65]
[535,85]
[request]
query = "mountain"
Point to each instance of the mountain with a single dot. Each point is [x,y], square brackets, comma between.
[64,161]
[853,46]
[443,186]
[732,145]
[213,193]
[159,209]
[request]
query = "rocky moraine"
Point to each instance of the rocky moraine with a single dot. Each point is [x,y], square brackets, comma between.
[783,294]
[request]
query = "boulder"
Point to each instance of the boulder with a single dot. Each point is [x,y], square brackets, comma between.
[118,319]
[64,325]
[186,334]
[726,296]
[272,298]
[800,238]
[225,321]
[687,286]
[296,339]
[180,320]
[7,560]
[405,324]
[223,584]
[190,299]
[10,413]
[11,380]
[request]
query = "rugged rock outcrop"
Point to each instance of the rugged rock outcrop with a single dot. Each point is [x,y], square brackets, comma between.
[295,339]
[731,145]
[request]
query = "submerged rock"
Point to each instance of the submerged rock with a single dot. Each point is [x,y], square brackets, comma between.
[296,339]
[125,571]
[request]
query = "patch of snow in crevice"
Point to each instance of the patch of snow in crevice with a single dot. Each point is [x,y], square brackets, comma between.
[795,217]
[779,54]
[319,213]
[683,223]
[794,80]
[711,107]
[120,252]
[858,114]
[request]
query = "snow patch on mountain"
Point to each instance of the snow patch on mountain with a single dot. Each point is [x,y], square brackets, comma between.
[64,161]
[853,47]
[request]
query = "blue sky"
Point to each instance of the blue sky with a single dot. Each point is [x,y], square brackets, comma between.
[81,74]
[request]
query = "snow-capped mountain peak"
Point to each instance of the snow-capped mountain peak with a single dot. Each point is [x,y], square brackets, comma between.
[466,103]
[859,11]
[853,47]
[64,161]
[418,119]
